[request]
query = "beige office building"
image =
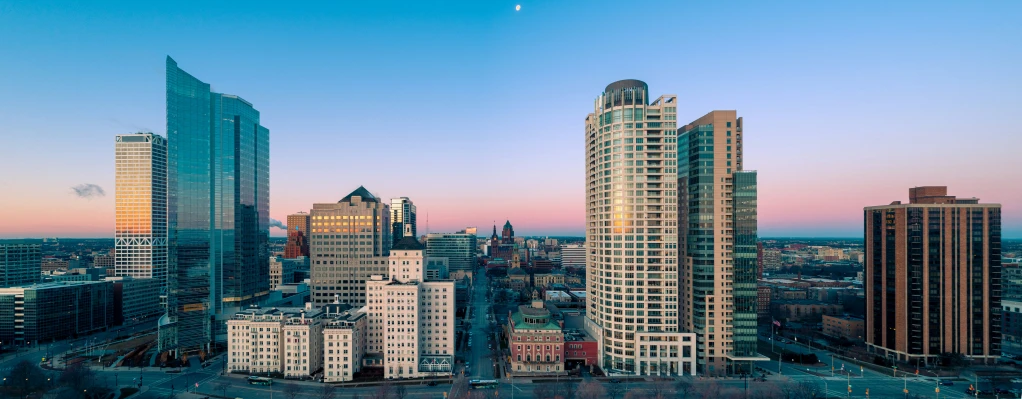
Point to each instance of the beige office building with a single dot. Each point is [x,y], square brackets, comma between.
[349,243]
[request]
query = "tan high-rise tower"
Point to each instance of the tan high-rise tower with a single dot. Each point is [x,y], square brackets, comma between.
[350,242]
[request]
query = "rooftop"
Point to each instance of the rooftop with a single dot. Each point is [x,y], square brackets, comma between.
[407,243]
[360,192]
[519,322]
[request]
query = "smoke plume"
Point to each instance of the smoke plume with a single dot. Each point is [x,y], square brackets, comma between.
[88,191]
[276,223]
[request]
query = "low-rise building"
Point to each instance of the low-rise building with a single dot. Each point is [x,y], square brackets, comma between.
[804,310]
[547,279]
[1011,327]
[136,299]
[49,311]
[536,341]
[20,262]
[848,327]
[276,340]
[283,270]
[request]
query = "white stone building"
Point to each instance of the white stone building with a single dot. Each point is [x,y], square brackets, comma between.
[410,320]
[344,345]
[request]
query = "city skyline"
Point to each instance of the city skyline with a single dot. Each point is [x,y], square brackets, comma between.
[904,103]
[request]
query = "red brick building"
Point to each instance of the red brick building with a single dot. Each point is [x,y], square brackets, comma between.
[536,341]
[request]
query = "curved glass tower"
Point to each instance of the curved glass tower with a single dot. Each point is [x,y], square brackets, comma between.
[632,233]
[218,210]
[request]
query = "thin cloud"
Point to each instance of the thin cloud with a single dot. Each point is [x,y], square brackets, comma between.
[88,191]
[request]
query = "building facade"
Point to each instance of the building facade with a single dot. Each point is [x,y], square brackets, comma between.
[933,277]
[536,341]
[402,218]
[573,256]
[717,245]
[276,340]
[140,232]
[344,345]
[218,210]
[458,248]
[297,235]
[848,327]
[45,312]
[283,269]
[136,299]
[1011,327]
[20,262]
[631,226]
[410,323]
[350,243]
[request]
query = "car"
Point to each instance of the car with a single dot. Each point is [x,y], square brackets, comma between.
[615,381]
[946,383]
[432,383]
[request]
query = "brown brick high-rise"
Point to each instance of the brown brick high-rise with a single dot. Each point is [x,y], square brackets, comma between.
[297,236]
[933,277]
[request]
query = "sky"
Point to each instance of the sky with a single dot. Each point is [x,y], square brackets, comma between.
[476,112]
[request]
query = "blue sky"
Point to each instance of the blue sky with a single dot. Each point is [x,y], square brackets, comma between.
[476,111]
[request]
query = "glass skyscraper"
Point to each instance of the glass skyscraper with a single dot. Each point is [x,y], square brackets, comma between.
[218,210]
[402,218]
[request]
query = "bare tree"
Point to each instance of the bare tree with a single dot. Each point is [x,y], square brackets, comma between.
[801,390]
[808,390]
[544,391]
[710,389]
[291,390]
[636,394]
[382,391]
[660,389]
[400,392]
[614,390]
[327,392]
[682,388]
[766,391]
[591,389]
[222,386]
[76,377]
[24,379]
[568,389]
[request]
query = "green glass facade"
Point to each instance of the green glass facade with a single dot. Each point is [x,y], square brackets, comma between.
[218,216]
[744,288]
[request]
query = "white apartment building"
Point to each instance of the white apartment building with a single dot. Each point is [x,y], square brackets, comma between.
[632,228]
[344,345]
[410,320]
[275,340]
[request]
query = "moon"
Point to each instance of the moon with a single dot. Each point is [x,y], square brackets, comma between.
[518,7]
